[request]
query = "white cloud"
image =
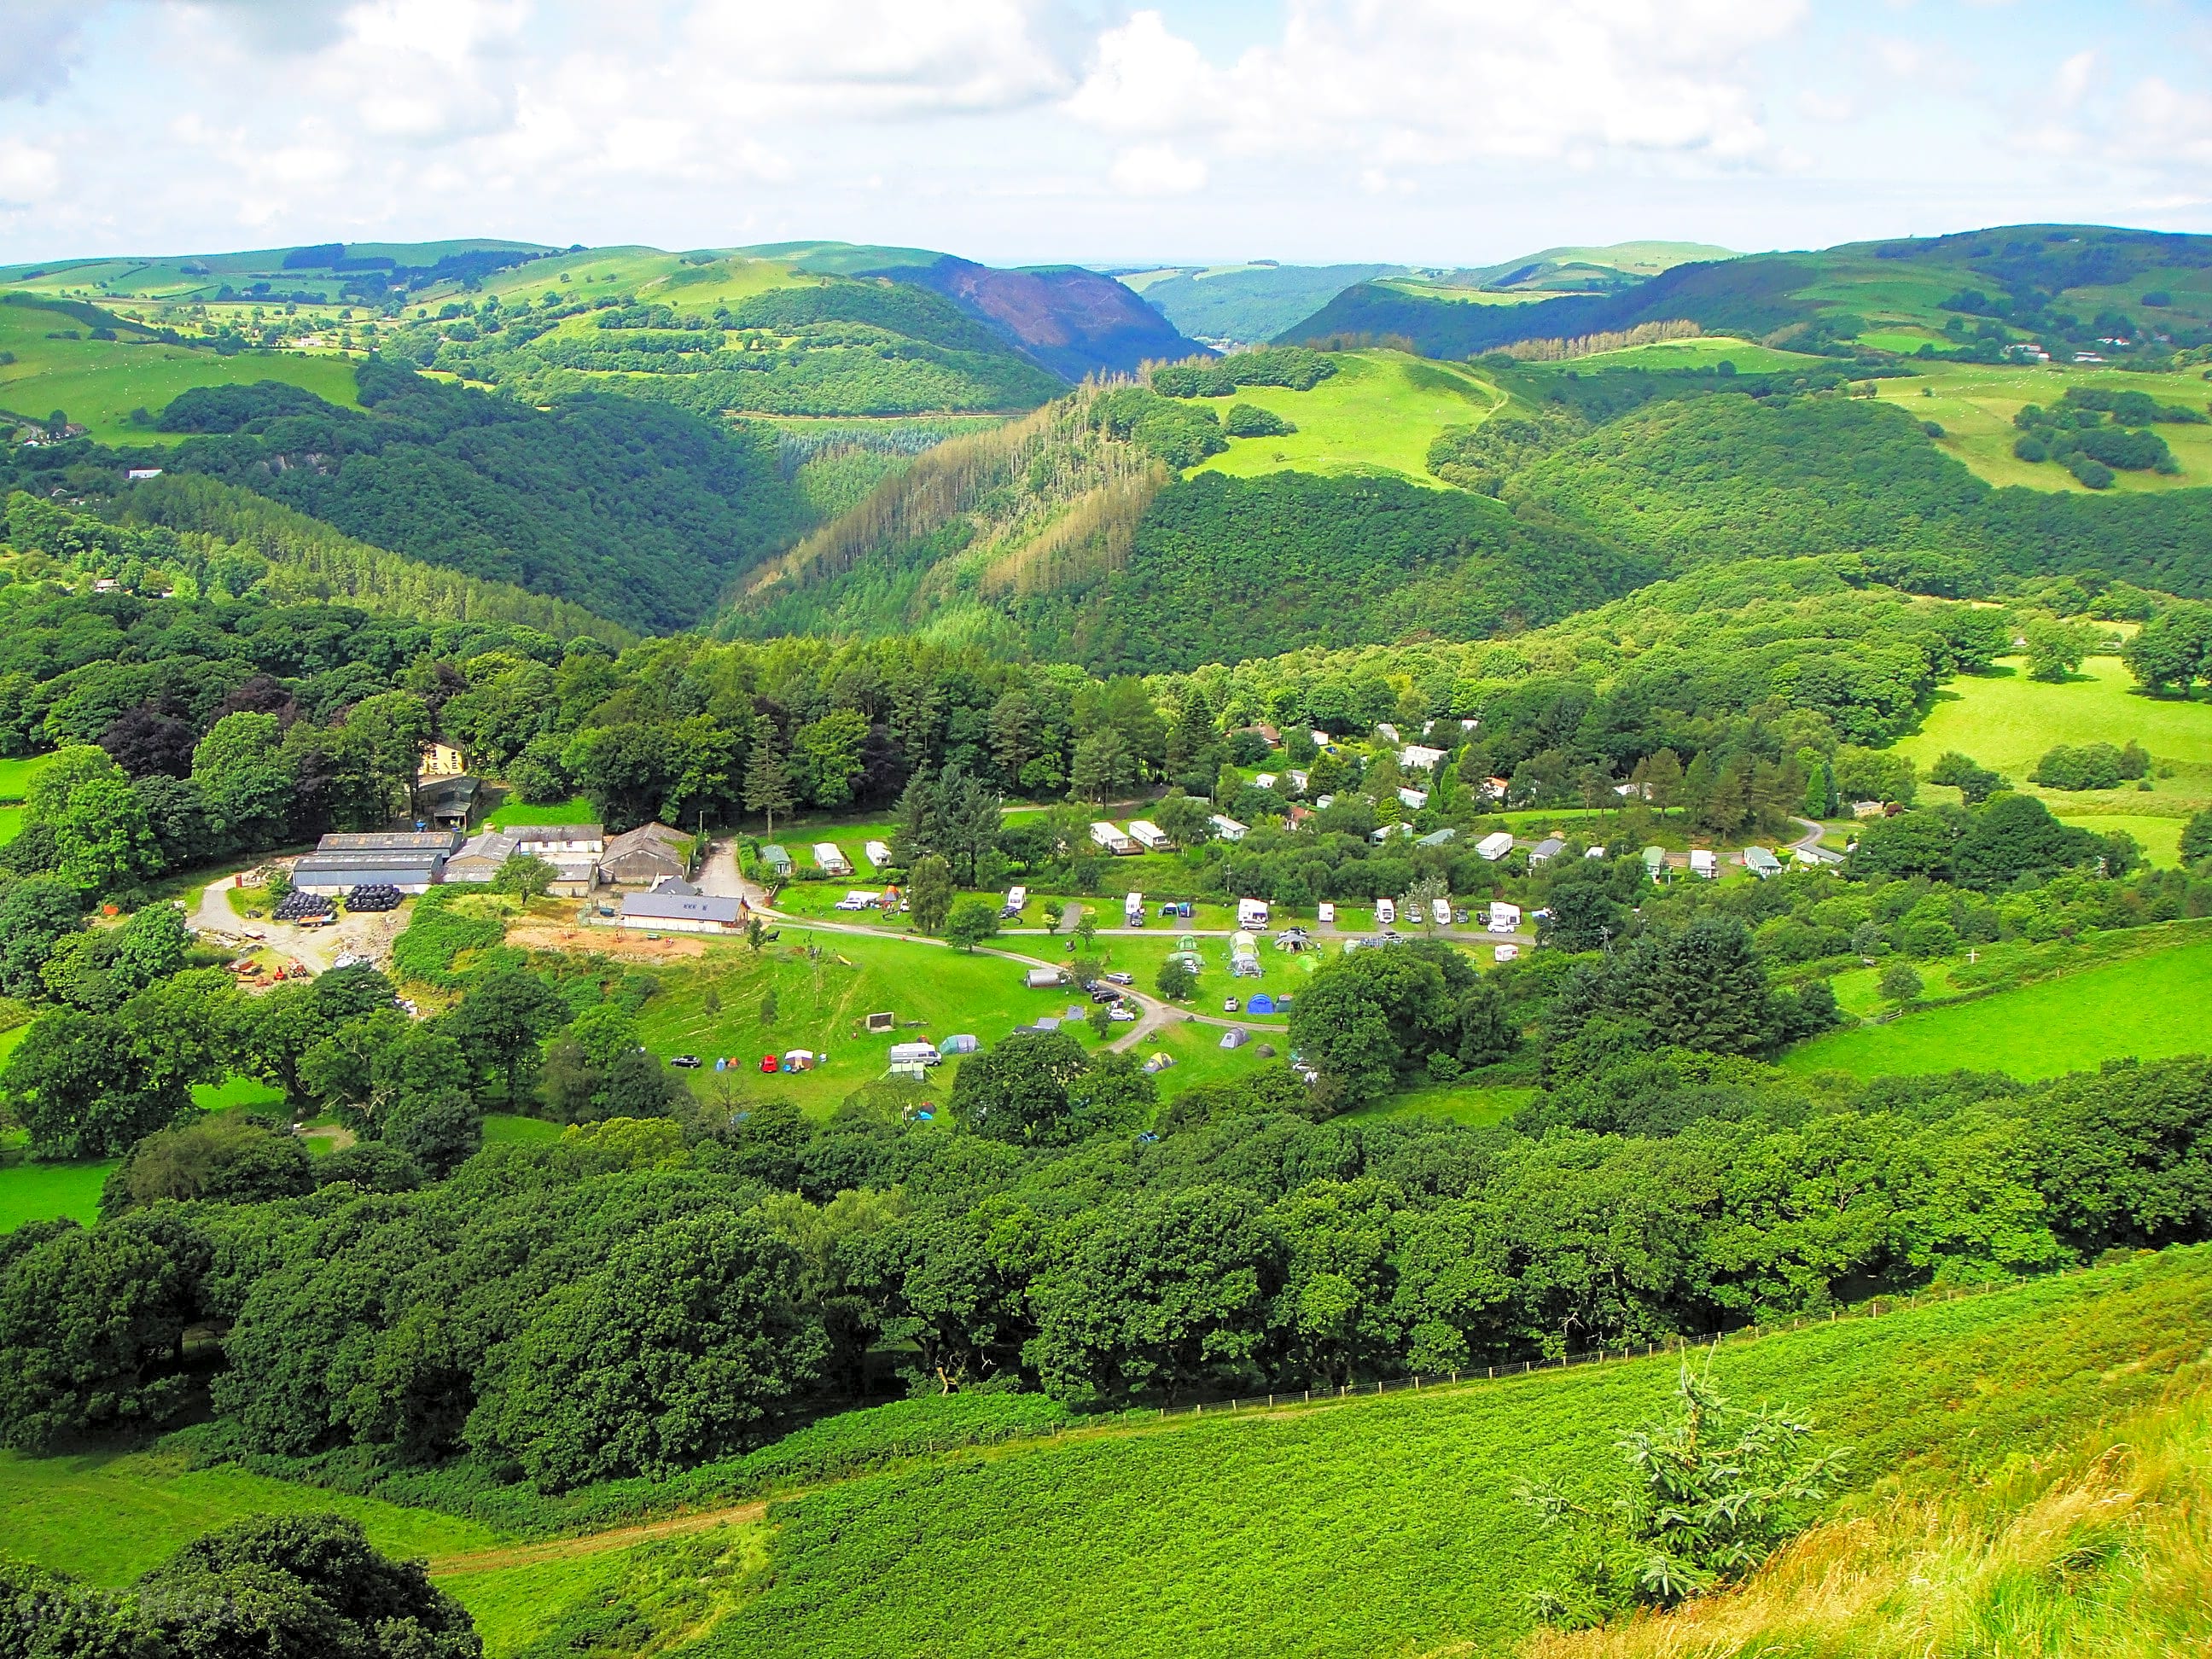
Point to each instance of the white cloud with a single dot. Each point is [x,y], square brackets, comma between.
[39,41]
[2071,84]
[28,174]
[1156,170]
[1415,83]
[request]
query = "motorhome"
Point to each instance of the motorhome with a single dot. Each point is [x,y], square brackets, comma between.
[914,1054]
[1252,914]
[1504,918]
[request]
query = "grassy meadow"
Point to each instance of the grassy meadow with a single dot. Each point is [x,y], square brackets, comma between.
[1706,351]
[1974,404]
[97,383]
[1378,413]
[2148,1005]
[2006,720]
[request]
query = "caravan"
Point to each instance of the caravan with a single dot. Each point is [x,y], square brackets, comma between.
[1386,913]
[1016,898]
[1149,835]
[1132,911]
[1107,838]
[1440,909]
[829,860]
[1252,914]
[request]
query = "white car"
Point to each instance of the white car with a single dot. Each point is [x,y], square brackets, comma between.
[1120,1015]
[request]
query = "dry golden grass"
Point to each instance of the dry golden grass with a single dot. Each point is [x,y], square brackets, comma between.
[2103,1549]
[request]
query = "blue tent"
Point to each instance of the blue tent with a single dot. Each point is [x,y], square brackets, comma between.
[1261,1004]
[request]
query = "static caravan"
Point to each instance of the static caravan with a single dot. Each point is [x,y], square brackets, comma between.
[1149,835]
[1016,898]
[1107,838]
[1705,863]
[1419,758]
[878,854]
[1227,829]
[1414,799]
[1441,910]
[1132,911]
[1545,851]
[829,860]
[1265,780]
[1495,847]
[1504,918]
[775,860]
[914,1054]
[1655,863]
[1252,914]
[1762,863]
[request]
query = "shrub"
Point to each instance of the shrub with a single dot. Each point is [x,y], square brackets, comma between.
[1250,421]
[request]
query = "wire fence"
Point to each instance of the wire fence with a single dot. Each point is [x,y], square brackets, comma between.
[1683,1344]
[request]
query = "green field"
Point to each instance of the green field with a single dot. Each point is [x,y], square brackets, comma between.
[97,383]
[1704,352]
[41,1192]
[16,777]
[1974,404]
[2006,720]
[1379,412]
[1390,1526]
[576,810]
[108,1517]
[2146,1007]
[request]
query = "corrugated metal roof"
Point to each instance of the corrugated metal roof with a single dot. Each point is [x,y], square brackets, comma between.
[680,906]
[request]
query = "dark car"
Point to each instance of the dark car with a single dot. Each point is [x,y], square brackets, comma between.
[688,1062]
[1105,993]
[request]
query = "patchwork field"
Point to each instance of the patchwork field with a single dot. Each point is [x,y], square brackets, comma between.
[2146,1007]
[1704,352]
[97,383]
[2007,721]
[1974,404]
[1379,412]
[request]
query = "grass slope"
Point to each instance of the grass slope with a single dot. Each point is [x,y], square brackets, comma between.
[2007,720]
[108,1517]
[97,383]
[1378,413]
[1390,1526]
[2144,1008]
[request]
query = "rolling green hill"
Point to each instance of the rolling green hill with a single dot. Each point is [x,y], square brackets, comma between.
[2073,288]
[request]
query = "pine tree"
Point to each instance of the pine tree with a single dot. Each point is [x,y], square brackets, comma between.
[768,779]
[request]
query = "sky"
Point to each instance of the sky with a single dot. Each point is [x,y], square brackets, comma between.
[1431,132]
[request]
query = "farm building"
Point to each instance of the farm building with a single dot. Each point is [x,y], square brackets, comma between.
[450,802]
[1228,829]
[1419,758]
[1149,835]
[414,861]
[557,841]
[776,861]
[1761,863]
[640,857]
[1705,863]
[1495,846]
[829,859]
[877,853]
[481,857]
[1107,838]
[1545,851]
[667,911]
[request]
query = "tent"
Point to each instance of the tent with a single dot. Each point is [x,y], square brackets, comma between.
[962,1044]
[1261,1003]
[1235,1037]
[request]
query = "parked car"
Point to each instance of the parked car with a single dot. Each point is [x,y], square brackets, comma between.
[1105,993]
[1120,1013]
[687,1062]
[1229,1004]
[1122,979]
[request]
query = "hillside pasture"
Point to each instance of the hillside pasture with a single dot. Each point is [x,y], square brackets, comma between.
[2007,721]
[2147,1006]
[1974,404]
[46,1192]
[1705,351]
[97,383]
[1378,413]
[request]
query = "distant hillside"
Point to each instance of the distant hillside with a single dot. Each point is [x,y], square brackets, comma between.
[1062,538]
[1073,321]
[636,511]
[1244,304]
[2069,288]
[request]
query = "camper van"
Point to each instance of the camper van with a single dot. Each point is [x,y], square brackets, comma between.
[1504,918]
[914,1054]
[1326,912]
[1386,913]
[1132,911]
[1252,914]
[1107,838]
[1016,898]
